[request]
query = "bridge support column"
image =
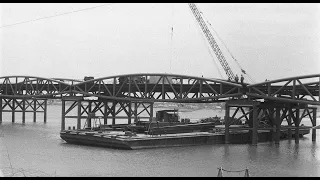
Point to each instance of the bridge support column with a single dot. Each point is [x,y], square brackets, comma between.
[278,122]
[114,103]
[314,123]
[297,119]
[290,124]
[255,125]
[135,112]
[226,124]
[129,112]
[89,114]
[63,116]
[45,111]
[106,113]
[34,110]
[1,110]
[13,109]
[23,101]
[79,115]
[151,111]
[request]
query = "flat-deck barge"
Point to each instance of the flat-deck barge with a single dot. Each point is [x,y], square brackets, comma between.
[125,140]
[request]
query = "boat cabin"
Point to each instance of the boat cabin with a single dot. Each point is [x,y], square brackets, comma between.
[167,115]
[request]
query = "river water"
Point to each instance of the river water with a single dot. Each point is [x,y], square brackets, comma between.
[35,149]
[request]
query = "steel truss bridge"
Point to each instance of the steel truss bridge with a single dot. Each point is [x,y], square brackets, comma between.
[270,102]
[166,88]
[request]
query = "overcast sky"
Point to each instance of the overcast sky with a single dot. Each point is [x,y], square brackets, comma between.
[270,41]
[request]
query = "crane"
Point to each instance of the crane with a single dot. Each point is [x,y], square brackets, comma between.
[212,42]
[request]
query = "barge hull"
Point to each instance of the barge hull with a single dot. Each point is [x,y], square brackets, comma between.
[146,141]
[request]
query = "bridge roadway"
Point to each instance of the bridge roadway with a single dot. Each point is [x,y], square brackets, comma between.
[163,88]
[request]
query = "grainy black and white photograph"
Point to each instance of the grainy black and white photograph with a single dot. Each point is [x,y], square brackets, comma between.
[159,90]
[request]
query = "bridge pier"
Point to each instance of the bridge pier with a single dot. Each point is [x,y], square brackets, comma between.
[253,120]
[13,105]
[88,109]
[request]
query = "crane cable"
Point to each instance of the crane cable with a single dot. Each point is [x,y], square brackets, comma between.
[208,48]
[171,41]
[56,15]
[242,70]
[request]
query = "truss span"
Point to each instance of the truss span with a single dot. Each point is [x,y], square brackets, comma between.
[31,86]
[299,89]
[158,88]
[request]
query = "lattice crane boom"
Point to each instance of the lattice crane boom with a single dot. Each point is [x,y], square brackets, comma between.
[212,41]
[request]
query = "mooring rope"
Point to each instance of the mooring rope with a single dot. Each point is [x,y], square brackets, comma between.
[232,171]
[246,170]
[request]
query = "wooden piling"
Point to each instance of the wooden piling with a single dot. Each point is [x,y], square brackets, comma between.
[63,115]
[314,123]
[226,124]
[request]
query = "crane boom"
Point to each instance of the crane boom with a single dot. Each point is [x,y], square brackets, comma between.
[211,41]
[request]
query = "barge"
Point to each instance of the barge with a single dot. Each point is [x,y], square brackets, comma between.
[167,131]
[128,140]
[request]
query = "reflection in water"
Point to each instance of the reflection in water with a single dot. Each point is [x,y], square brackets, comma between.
[35,149]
